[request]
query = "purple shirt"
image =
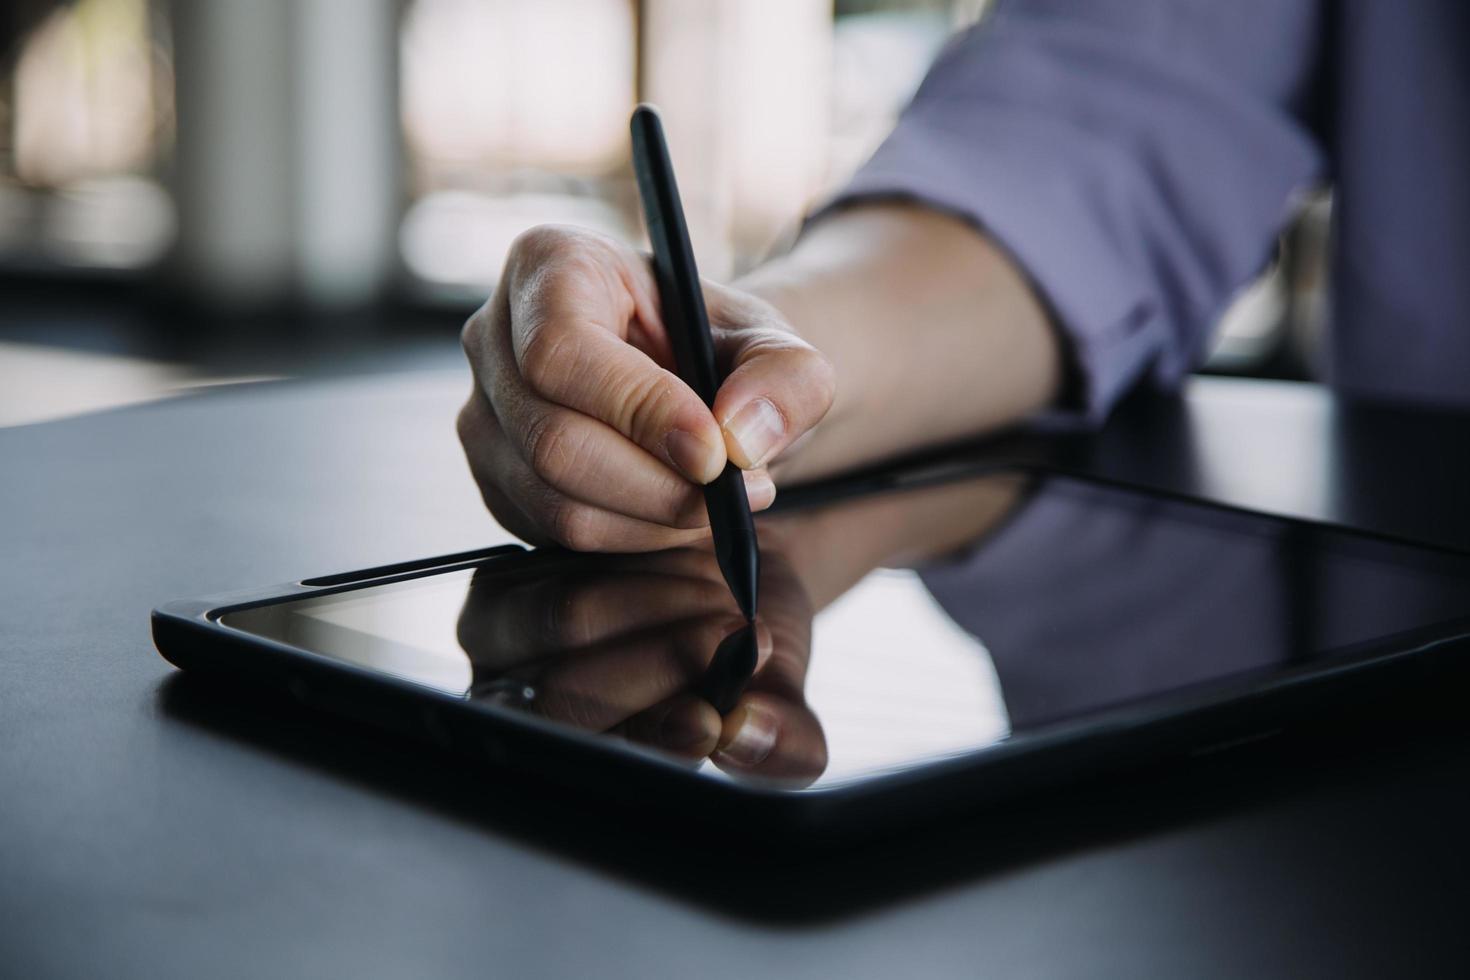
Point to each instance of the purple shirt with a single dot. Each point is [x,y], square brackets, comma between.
[1087,596]
[1139,157]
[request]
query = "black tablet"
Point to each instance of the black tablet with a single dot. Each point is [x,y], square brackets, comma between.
[927,642]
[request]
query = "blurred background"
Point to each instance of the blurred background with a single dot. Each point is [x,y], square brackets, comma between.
[199,191]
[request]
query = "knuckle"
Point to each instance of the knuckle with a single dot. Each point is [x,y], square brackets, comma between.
[542,257]
[649,399]
[689,512]
[478,327]
[574,525]
[572,707]
[476,424]
[548,346]
[537,242]
[499,504]
[548,607]
[548,447]
[466,633]
[574,620]
[469,336]
[464,422]
[822,377]
[807,369]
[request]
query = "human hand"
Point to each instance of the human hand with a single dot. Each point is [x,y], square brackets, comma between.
[579,431]
[625,646]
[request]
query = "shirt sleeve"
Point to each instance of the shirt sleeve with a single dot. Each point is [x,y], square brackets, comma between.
[1136,157]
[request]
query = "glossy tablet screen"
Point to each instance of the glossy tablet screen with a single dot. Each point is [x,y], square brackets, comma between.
[895,629]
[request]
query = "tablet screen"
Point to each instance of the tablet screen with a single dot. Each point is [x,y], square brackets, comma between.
[895,629]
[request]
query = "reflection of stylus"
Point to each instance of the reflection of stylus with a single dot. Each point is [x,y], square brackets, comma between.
[681,305]
[731,667]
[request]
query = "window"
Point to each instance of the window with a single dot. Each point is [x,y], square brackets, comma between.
[516,114]
[86,115]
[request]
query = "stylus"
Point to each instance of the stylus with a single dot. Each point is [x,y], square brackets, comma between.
[687,323]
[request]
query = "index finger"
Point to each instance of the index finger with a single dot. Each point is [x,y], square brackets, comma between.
[580,307]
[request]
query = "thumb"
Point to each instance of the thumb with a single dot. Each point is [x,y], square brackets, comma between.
[778,387]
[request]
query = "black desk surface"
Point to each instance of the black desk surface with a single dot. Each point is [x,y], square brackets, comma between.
[150,829]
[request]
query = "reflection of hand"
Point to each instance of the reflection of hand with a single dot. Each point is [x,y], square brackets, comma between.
[621,644]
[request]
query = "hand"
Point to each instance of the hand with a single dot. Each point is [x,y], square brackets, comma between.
[625,645]
[579,431]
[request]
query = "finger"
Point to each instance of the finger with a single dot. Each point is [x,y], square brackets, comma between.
[598,688]
[540,514]
[778,386]
[587,460]
[592,612]
[579,455]
[689,723]
[572,303]
[500,628]
[684,724]
[478,433]
[770,736]
[618,476]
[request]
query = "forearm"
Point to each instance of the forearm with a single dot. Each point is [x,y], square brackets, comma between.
[934,333]
[831,548]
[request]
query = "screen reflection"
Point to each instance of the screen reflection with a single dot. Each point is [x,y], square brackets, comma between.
[652,648]
[894,629]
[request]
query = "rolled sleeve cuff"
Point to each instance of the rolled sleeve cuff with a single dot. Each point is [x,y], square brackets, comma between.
[1025,190]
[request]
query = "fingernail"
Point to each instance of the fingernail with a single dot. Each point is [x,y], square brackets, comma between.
[755,730]
[756,429]
[760,489]
[691,455]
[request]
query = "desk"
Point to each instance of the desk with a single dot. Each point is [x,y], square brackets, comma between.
[148,831]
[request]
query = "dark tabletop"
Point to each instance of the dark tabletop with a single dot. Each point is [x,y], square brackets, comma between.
[150,828]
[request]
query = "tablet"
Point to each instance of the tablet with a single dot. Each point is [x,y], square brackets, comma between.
[930,642]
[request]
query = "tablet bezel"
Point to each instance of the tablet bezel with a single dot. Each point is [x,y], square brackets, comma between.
[1220,713]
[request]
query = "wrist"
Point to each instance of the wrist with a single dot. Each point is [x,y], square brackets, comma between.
[799,303]
[933,333]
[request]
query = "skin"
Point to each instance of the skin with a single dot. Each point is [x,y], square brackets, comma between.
[620,644]
[621,647]
[888,328]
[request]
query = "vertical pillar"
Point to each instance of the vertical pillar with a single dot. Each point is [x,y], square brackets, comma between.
[744,86]
[348,149]
[287,154]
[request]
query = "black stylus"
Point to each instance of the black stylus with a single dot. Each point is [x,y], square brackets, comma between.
[682,307]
